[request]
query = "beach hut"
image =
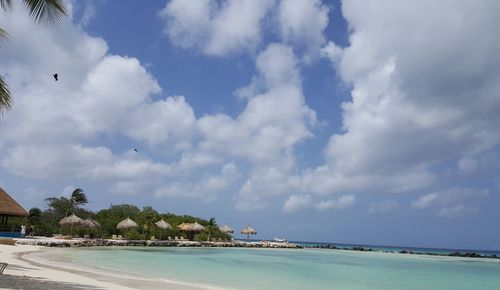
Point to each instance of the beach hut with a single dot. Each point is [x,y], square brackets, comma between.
[70,220]
[248,231]
[90,223]
[162,225]
[9,208]
[191,229]
[226,229]
[127,224]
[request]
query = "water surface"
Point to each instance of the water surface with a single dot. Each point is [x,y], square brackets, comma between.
[238,268]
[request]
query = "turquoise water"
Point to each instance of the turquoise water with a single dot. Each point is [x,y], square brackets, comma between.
[296,269]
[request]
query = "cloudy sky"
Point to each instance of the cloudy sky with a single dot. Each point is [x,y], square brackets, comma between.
[354,121]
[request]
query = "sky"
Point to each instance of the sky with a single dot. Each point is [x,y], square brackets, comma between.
[370,122]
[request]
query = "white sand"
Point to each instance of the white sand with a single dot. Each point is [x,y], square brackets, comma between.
[28,265]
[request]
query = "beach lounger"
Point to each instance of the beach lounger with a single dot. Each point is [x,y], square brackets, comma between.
[176,238]
[119,237]
[169,238]
[2,267]
[113,237]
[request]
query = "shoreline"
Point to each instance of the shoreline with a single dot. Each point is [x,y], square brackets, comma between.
[25,272]
[39,267]
[51,242]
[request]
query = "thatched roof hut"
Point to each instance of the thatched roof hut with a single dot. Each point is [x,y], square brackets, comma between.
[191,227]
[70,220]
[226,229]
[90,223]
[9,207]
[127,224]
[161,224]
[248,231]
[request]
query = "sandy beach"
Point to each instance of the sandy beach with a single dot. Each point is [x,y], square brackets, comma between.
[26,271]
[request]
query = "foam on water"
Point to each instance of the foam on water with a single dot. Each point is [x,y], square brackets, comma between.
[236,268]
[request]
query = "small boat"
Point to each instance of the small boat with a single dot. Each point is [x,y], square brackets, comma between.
[279,240]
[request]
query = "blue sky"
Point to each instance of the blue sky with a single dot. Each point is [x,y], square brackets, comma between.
[315,120]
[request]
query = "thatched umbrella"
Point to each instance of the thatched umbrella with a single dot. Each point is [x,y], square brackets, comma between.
[70,220]
[226,229]
[248,231]
[163,225]
[127,224]
[90,223]
[191,228]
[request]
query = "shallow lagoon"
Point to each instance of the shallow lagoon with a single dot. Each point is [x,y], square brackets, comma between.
[238,268]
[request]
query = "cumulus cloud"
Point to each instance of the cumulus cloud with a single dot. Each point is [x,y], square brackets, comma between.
[456,211]
[383,206]
[452,201]
[220,28]
[207,188]
[300,202]
[215,29]
[302,24]
[425,97]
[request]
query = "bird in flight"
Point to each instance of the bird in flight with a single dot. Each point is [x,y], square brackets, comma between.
[136,150]
[56,77]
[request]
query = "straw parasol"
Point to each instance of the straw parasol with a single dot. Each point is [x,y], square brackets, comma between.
[248,231]
[191,228]
[126,224]
[90,223]
[226,229]
[161,224]
[70,220]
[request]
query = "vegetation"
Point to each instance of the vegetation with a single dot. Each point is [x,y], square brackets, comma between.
[45,11]
[46,222]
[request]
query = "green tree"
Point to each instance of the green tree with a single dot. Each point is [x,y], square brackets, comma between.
[44,11]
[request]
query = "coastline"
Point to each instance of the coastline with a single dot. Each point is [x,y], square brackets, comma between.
[38,267]
[26,270]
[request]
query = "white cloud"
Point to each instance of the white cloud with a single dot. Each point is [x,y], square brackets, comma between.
[216,29]
[302,24]
[425,200]
[342,202]
[453,202]
[206,189]
[383,206]
[423,95]
[456,211]
[297,202]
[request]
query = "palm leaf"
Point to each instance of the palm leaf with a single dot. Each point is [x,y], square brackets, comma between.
[5,98]
[46,11]
[5,4]
[3,34]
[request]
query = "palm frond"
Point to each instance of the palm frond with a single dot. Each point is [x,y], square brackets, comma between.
[6,4]
[46,11]
[3,34]
[5,97]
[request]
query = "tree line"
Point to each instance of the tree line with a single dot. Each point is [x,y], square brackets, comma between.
[46,222]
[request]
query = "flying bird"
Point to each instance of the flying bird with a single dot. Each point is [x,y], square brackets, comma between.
[136,150]
[56,77]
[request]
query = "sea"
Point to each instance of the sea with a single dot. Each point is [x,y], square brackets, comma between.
[308,268]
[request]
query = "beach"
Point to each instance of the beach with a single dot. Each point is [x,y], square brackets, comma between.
[24,272]
[202,267]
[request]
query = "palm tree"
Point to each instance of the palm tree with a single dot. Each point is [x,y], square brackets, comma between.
[77,198]
[43,11]
[210,227]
